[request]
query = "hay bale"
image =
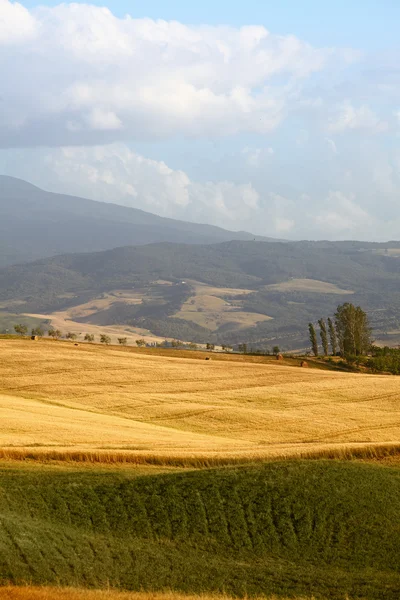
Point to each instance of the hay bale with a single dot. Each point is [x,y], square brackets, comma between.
[279,357]
[34,338]
[208,358]
[76,344]
[304,364]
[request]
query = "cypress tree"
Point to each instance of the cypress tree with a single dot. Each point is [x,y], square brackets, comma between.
[313,339]
[332,336]
[324,336]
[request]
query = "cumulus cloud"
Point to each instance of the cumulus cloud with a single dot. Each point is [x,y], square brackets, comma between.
[76,74]
[348,117]
[114,173]
[342,215]
[17,25]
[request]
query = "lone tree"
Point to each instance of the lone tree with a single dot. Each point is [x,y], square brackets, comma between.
[71,336]
[105,339]
[332,336]
[313,339]
[140,343]
[37,331]
[89,337]
[21,329]
[54,333]
[353,330]
[123,341]
[324,336]
[276,350]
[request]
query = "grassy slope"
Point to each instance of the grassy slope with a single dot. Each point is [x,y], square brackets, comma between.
[90,398]
[53,593]
[321,528]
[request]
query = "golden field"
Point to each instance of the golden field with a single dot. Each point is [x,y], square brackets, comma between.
[57,397]
[211,307]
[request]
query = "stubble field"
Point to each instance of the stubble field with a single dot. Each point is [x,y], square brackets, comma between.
[56,397]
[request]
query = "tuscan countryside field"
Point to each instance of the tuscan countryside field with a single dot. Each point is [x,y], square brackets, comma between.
[156,471]
[199,300]
[59,397]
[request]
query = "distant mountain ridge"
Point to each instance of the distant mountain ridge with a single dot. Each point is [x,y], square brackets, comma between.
[278,288]
[37,224]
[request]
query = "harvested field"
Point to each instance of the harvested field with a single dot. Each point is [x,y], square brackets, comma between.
[63,321]
[58,397]
[212,307]
[307,285]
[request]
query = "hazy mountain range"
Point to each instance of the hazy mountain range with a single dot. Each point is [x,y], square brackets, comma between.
[36,224]
[236,291]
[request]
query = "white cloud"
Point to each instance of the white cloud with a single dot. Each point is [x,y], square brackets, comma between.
[348,117]
[342,215]
[255,156]
[115,173]
[17,25]
[76,74]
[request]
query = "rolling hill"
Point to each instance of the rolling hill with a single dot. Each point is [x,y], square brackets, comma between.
[311,529]
[35,224]
[55,397]
[255,292]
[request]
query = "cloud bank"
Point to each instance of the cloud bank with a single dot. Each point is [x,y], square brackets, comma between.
[76,74]
[307,137]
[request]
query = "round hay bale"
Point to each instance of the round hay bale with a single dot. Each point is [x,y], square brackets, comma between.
[279,357]
[304,364]
[76,344]
[208,358]
[34,338]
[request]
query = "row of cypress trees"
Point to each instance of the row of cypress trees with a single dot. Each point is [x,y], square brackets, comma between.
[347,334]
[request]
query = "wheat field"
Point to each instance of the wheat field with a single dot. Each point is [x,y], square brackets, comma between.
[56,397]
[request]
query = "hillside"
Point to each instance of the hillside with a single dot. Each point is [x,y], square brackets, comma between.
[35,223]
[254,292]
[132,403]
[322,529]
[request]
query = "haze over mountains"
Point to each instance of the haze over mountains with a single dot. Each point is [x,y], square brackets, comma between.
[230,292]
[36,224]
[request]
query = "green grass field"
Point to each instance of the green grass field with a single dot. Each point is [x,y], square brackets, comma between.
[325,529]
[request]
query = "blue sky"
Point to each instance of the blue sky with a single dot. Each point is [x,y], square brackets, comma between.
[282,118]
[371,24]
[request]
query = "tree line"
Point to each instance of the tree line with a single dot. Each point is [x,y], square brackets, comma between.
[347,334]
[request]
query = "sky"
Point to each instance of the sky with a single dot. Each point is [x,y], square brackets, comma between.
[280,118]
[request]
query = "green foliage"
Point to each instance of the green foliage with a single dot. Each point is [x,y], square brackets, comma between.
[332,336]
[141,343]
[318,528]
[123,341]
[37,331]
[54,333]
[324,336]
[384,360]
[71,336]
[105,339]
[313,339]
[21,329]
[276,350]
[353,331]
[89,337]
